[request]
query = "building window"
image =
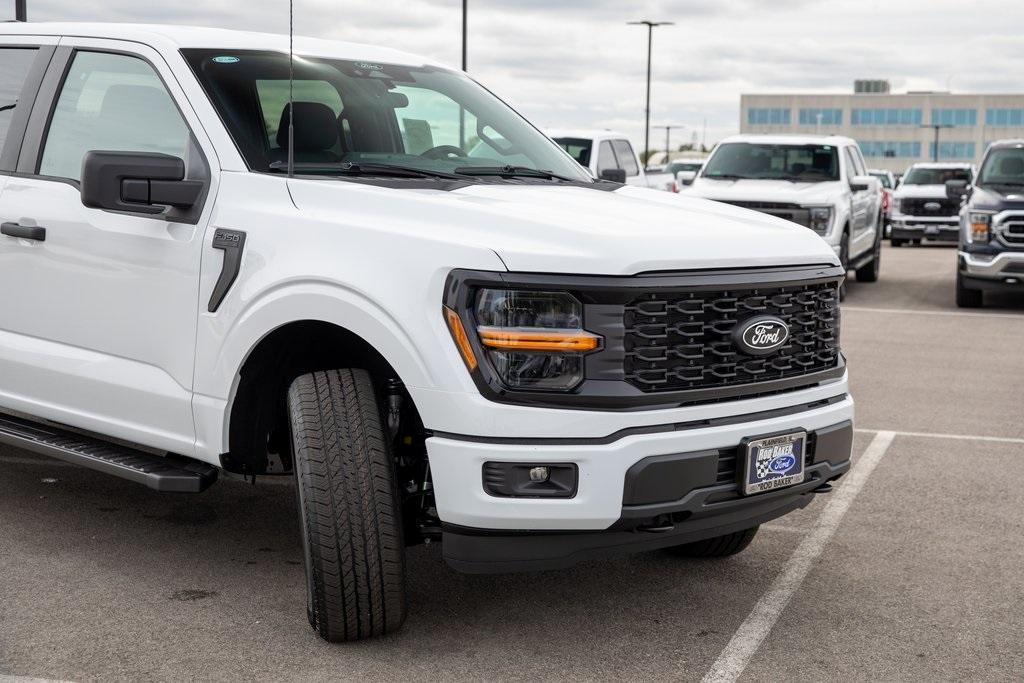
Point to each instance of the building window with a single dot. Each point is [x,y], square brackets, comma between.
[826,117]
[768,116]
[953,150]
[954,117]
[1004,117]
[885,117]
[879,148]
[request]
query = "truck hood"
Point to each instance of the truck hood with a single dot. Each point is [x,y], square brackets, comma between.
[766,191]
[920,192]
[570,229]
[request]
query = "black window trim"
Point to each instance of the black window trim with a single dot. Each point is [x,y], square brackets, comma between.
[11,147]
[38,128]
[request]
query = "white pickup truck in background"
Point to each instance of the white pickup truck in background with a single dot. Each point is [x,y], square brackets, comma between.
[610,156]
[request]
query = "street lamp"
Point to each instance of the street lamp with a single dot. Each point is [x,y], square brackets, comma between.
[20,11]
[937,126]
[465,9]
[668,133]
[647,110]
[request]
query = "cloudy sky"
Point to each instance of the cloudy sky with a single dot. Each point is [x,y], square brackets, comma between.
[574,63]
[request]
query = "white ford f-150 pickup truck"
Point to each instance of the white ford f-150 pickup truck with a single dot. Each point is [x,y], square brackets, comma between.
[920,208]
[610,156]
[497,351]
[820,182]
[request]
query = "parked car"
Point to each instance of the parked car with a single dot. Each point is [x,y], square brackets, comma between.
[991,225]
[610,156]
[529,365]
[685,170]
[888,182]
[818,182]
[920,208]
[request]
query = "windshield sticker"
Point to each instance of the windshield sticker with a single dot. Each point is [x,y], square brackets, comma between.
[369,67]
[226,59]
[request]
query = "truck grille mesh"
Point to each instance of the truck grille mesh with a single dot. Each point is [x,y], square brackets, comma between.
[682,340]
[918,207]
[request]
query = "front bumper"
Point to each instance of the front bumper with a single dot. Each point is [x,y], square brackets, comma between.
[687,510]
[604,453]
[1004,270]
[916,228]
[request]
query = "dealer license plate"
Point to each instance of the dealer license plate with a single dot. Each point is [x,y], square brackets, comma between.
[774,462]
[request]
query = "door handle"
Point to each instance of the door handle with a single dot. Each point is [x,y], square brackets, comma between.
[27,232]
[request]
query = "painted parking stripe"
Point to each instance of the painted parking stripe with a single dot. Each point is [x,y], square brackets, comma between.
[748,638]
[940,435]
[910,311]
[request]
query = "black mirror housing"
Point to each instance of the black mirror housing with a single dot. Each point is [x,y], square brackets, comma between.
[956,189]
[138,182]
[615,175]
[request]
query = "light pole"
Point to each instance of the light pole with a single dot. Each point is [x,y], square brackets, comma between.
[935,147]
[668,145]
[647,109]
[20,10]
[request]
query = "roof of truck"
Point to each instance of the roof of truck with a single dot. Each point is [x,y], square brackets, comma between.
[585,133]
[170,37]
[940,164]
[792,139]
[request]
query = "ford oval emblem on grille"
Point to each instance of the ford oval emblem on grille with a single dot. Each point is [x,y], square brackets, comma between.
[760,336]
[932,206]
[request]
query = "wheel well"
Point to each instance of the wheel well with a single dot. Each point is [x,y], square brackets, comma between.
[258,434]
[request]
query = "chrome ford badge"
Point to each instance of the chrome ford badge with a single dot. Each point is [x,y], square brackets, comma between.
[760,336]
[932,206]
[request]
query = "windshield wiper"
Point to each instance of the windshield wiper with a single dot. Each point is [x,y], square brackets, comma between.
[353,168]
[730,176]
[512,172]
[8,107]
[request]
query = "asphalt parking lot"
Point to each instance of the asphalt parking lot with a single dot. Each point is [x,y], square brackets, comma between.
[910,570]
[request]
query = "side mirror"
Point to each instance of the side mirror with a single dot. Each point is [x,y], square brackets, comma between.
[616,175]
[140,182]
[860,183]
[956,189]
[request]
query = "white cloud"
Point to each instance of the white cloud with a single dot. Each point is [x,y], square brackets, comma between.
[572,63]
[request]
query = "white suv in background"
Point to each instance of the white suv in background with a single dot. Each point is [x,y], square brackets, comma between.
[819,182]
[920,208]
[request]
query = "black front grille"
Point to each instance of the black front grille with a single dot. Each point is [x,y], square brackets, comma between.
[789,212]
[1013,231]
[930,207]
[683,340]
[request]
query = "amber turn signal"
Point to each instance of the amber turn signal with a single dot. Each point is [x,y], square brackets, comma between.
[536,340]
[460,337]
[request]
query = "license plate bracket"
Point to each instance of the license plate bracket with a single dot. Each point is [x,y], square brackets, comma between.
[773,462]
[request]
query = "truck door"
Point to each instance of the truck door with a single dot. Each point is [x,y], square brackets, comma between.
[100,312]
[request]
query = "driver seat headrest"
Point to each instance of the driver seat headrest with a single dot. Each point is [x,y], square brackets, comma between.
[316,128]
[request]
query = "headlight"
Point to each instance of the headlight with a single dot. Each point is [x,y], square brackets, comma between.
[978,226]
[531,340]
[820,219]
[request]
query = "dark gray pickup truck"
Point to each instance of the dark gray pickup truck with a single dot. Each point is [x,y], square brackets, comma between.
[991,225]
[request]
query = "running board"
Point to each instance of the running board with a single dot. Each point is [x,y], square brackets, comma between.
[171,473]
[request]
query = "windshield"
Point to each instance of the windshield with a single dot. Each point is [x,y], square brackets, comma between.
[360,117]
[803,163]
[1003,166]
[577,148]
[935,176]
[677,166]
[883,178]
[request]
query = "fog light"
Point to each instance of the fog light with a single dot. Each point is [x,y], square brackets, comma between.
[529,480]
[539,474]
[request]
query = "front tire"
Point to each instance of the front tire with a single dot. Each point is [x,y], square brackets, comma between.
[870,271]
[968,298]
[719,546]
[348,505]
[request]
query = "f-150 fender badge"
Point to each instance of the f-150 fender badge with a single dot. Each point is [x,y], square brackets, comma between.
[760,336]
[232,243]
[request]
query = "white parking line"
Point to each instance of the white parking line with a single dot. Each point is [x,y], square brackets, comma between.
[905,311]
[26,679]
[939,435]
[752,632]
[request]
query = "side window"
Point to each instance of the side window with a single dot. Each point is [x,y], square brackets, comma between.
[851,164]
[113,103]
[14,66]
[605,158]
[627,159]
[862,167]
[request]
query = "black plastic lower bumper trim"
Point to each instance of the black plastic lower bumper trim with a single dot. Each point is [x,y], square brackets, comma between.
[479,551]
